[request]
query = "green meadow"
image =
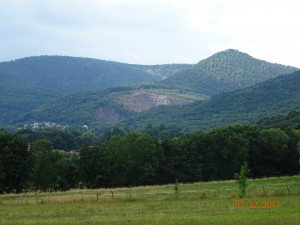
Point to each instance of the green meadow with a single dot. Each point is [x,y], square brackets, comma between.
[269,201]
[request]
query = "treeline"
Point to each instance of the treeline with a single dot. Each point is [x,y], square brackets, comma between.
[73,138]
[140,159]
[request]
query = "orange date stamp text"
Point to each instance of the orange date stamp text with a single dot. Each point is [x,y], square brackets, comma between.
[254,204]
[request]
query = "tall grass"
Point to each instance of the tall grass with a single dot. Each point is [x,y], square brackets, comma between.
[198,203]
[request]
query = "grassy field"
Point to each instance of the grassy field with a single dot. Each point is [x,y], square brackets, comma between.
[272,201]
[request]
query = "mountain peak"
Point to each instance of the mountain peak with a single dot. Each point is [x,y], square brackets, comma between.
[226,71]
[230,53]
[232,50]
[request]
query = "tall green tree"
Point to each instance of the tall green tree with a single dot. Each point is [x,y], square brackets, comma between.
[274,145]
[15,163]
[87,165]
[44,175]
[292,154]
[241,179]
[142,150]
[231,147]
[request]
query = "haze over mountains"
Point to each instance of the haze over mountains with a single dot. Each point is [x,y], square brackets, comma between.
[78,91]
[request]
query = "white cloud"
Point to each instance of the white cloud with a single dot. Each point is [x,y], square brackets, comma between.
[150,31]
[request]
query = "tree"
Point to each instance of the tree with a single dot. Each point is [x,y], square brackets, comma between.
[142,151]
[274,149]
[87,165]
[298,148]
[66,170]
[242,179]
[44,171]
[231,147]
[61,139]
[15,163]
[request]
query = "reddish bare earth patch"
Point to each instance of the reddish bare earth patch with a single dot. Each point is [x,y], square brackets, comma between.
[141,101]
[107,114]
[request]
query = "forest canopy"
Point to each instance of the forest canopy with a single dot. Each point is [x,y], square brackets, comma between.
[125,158]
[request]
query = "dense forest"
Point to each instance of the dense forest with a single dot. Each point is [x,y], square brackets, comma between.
[68,75]
[96,140]
[35,88]
[226,71]
[276,96]
[19,98]
[165,70]
[31,160]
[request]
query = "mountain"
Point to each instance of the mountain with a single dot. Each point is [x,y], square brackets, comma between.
[81,91]
[15,99]
[29,82]
[78,109]
[165,70]
[6,78]
[67,75]
[223,71]
[105,106]
[276,96]
[226,71]
[134,108]
[290,121]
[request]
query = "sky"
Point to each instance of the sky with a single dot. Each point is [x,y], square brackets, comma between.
[150,31]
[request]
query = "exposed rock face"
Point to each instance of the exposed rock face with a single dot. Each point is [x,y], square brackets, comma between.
[107,114]
[141,101]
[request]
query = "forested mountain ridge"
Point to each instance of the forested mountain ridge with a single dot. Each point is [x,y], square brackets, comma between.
[38,88]
[97,107]
[279,95]
[225,71]
[30,82]
[67,75]
[113,154]
[104,106]
[6,78]
[276,96]
[290,121]
[15,99]
[165,70]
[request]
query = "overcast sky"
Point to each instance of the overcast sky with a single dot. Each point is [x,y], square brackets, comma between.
[150,31]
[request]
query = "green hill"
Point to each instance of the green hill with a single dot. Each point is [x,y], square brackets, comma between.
[290,121]
[30,82]
[69,90]
[17,99]
[276,96]
[6,78]
[102,107]
[91,108]
[226,71]
[165,70]
[68,75]
[122,106]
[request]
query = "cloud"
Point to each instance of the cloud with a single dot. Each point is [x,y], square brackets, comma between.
[149,31]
